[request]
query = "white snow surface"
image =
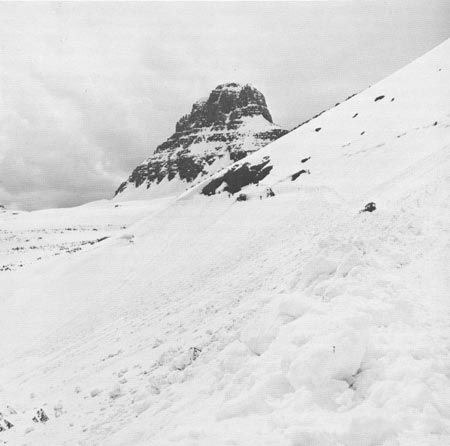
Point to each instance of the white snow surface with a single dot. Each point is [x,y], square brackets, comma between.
[293,320]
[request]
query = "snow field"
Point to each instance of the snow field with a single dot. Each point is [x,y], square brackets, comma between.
[292,320]
[348,352]
[335,333]
[29,237]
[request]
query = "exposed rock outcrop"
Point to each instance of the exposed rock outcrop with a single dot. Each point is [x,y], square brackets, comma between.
[231,123]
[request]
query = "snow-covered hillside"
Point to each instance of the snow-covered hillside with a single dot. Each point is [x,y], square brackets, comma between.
[363,145]
[286,317]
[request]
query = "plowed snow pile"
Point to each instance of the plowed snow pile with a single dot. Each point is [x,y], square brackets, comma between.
[291,319]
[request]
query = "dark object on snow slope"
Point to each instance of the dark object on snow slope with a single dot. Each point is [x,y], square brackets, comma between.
[241,197]
[194,353]
[270,193]
[297,174]
[238,177]
[8,424]
[369,207]
[40,416]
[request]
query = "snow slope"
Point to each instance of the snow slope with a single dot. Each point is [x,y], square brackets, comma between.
[293,320]
[368,140]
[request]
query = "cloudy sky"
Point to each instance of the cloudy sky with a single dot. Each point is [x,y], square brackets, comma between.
[88,90]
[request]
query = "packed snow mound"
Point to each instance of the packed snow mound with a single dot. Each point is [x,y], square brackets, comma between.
[231,123]
[293,320]
[359,146]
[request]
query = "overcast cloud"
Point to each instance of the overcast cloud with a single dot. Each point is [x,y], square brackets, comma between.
[88,90]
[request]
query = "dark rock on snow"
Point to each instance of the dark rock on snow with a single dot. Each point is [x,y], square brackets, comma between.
[297,174]
[369,207]
[234,179]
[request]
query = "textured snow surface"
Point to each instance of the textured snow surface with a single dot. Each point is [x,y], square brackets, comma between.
[293,320]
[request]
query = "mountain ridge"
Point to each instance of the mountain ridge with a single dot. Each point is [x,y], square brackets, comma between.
[231,123]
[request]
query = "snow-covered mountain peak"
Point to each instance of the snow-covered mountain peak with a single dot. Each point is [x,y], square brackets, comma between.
[226,105]
[230,123]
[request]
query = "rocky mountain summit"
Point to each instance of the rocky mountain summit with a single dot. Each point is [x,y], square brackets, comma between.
[231,123]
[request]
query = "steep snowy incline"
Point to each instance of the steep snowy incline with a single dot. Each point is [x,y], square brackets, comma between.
[294,320]
[352,350]
[360,144]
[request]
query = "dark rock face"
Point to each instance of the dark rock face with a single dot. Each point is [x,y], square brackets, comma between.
[233,122]
[238,177]
[226,105]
